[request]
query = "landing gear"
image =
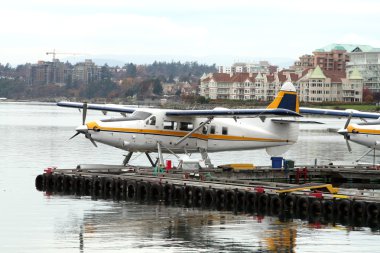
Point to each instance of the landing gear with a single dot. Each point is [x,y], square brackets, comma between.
[206,158]
[150,160]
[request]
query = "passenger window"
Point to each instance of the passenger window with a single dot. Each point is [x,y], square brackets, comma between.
[186,126]
[212,130]
[171,125]
[224,130]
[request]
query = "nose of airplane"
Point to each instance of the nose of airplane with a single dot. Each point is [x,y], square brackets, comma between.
[342,131]
[82,129]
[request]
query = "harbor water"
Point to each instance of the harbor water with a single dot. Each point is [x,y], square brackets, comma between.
[34,136]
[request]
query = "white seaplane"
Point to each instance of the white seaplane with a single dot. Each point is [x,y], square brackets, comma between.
[185,131]
[274,128]
[365,133]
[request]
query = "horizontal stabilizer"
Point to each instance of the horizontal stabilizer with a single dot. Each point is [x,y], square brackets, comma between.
[339,113]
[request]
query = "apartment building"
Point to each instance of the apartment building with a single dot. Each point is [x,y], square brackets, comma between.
[367,62]
[318,85]
[241,67]
[86,72]
[305,61]
[43,73]
[243,86]
[313,85]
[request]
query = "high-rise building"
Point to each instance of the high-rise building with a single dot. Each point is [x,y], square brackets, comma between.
[86,72]
[43,73]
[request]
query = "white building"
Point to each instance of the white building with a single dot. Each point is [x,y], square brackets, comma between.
[368,64]
[313,85]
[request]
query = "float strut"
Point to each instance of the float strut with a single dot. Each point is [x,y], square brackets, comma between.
[127,158]
[150,159]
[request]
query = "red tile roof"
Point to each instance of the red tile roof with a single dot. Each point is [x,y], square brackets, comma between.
[336,76]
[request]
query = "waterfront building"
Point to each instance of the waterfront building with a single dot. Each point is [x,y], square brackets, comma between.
[243,86]
[242,67]
[313,85]
[318,85]
[367,61]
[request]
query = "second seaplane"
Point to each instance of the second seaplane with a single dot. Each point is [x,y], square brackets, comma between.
[365,133]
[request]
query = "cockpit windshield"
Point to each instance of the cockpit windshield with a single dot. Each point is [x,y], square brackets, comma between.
[136,115]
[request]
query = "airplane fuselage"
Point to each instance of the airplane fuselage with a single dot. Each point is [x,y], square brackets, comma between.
[143,129]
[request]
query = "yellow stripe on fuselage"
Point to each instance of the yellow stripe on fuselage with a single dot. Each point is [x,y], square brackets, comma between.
[356,130]
[94,125]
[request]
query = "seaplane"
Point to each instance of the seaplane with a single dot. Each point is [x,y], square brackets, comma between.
[153,130]
[366,133]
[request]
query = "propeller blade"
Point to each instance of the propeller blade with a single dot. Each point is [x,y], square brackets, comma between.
[74,135]
[88,136]
[84,115]
[93,142]
[348,146]
[348,121]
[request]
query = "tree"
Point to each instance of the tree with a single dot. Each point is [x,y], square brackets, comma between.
[367,95]
[157,87]
[105,73]
[131,70]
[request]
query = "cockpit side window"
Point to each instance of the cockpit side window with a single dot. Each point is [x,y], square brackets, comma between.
[152,121]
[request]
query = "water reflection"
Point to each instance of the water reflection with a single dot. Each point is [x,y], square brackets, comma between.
[156,226]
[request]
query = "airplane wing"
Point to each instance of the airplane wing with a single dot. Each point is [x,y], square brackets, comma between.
[99,107]
[217,112]
[340,113]
[232,113]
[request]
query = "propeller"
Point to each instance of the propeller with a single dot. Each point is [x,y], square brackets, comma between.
[345,133]
[348,121]
[83,128]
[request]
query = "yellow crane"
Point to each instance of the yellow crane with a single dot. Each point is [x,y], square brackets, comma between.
[68,53]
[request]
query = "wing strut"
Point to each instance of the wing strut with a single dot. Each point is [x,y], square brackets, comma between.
[194,130]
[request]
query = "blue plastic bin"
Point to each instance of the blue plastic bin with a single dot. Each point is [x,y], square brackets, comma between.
[276,162]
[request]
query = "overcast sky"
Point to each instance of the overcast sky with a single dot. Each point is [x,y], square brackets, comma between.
[183,30]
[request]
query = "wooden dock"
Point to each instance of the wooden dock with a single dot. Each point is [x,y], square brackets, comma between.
[227,190]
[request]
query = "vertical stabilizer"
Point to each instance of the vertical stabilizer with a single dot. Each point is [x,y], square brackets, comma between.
[287,98]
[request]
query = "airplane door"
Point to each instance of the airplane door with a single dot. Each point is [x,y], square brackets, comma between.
[202,141]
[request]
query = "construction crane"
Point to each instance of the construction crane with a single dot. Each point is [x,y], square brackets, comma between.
[55,53]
